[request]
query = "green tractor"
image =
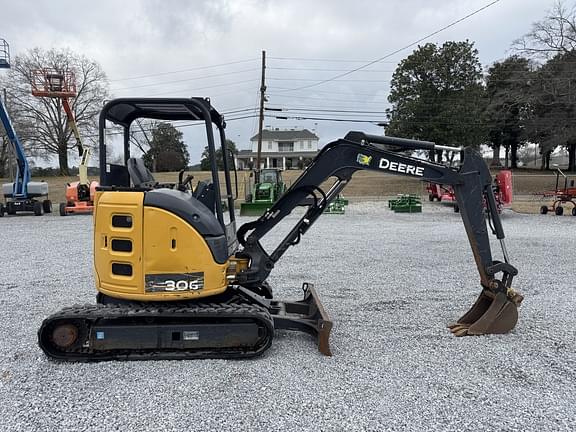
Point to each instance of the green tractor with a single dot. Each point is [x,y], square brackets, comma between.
[265,191]
[338,206]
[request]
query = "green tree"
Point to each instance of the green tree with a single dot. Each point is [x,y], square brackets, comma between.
[553,108]
[205,161]
[553,39]
[437,95]
[508,98]
[167,151]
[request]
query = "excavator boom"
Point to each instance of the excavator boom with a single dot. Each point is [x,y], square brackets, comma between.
[494,312]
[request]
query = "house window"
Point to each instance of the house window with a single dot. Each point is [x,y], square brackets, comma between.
[269,145]
[286,146]
[309,144]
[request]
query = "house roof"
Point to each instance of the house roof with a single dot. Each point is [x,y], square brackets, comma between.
[285,135]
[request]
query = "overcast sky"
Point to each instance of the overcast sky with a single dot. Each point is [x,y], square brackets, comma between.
[306,41]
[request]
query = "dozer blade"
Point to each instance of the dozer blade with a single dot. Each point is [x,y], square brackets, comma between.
[254,209]
[307,315]
[492,313]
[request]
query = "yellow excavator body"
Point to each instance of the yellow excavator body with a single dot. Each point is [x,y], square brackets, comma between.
[150,254]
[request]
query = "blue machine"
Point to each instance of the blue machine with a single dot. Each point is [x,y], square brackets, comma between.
[22,195]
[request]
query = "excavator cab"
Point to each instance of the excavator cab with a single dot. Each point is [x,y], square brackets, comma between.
[200,235]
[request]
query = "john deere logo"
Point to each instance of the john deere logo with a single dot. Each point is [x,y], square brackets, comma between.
[363,159]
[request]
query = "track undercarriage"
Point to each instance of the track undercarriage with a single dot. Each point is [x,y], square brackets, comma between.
[241,326]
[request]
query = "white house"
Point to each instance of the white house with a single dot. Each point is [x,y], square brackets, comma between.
[281,148]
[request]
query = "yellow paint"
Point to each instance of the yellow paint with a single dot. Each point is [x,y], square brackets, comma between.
[162,243]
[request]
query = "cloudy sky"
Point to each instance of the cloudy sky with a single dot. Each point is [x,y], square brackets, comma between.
[212,48]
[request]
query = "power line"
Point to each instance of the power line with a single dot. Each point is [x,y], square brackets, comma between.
[327,110]
[325,119]
[400,49]
[335,80]
[323,99]
[201,88]
[327,70]
[322,60]
[349,93]
[184,80]
[184,70]
[177,126]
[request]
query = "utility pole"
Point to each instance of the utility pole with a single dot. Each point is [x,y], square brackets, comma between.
[261,120]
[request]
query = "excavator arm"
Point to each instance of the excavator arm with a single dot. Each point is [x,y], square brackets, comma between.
[472,184]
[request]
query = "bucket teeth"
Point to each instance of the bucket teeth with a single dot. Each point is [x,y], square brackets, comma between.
[492,313]
[459,330]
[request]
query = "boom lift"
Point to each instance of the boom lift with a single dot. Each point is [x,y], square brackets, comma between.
[176,281]
[22,195]
[58,84]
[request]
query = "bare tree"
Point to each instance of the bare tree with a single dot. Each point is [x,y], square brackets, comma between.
[550,120]
[141,134]
[41,122]
[555,34]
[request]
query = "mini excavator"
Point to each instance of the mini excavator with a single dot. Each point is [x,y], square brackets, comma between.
[175,279]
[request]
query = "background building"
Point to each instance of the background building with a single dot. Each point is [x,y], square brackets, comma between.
[285,149]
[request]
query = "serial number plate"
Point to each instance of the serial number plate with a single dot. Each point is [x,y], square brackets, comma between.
[175,282]
[191,335]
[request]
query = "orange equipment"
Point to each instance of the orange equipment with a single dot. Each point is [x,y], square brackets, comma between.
[53,83]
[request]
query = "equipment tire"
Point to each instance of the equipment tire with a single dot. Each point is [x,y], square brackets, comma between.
[559,211]
[1,210]
[543,209]
[573,211]
[38,208]
[10,208]
[248,198]
[62,209]
[430,197]
[47,206]
[456,208]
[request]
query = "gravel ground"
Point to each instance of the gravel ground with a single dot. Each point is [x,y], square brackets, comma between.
[390,282]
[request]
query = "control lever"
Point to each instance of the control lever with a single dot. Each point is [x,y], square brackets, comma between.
[183,186]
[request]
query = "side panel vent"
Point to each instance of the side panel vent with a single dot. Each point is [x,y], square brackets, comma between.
[122,221]
[121,245]
[121,269]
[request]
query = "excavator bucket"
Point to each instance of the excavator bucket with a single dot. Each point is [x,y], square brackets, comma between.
[492,313]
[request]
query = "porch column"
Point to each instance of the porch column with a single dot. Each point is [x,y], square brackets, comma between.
[267,162]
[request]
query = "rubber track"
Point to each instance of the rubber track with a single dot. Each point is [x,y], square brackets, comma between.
[92,313]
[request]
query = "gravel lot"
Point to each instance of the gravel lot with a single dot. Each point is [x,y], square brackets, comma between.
[390,282]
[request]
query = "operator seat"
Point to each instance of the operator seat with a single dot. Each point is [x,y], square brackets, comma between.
[140,175]
[205,193]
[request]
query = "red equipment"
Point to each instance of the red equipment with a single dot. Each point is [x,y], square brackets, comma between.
[560,195]
[440,192]
[502,192]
